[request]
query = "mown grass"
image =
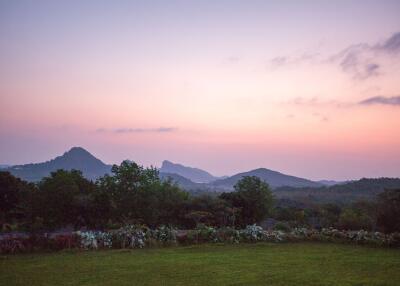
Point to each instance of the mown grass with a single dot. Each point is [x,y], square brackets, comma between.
[245,264]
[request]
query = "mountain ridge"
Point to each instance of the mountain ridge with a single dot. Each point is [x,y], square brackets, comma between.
[196,175]
[76,158]
[188,178]
[273,178]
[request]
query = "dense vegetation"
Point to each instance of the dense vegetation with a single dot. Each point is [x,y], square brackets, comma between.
[132,194]
[344,193]
[243,264]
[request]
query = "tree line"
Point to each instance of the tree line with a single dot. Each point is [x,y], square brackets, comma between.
[134,194]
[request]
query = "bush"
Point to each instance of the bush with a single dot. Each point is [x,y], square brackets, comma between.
[206,233]
[227,234]
[138,236]
[164,234]
[13,246]
[252,233]
[95,239]
[130,236]
[282,227]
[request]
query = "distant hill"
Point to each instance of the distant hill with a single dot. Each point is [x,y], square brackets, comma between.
[285,187]
[2,166]
[273,178]
[194,174]
[330,182]
[364,189]
[76,158]
[183,182]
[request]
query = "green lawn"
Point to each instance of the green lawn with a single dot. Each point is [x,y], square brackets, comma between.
[246,264]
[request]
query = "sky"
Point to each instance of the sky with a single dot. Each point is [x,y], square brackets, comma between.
[308,88]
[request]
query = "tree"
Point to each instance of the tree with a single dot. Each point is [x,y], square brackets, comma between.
[252,197]
[354,219]
[124,187]
[64,198]
[388,211]
[330,214]
[13,195]
[138,195]
[209,210]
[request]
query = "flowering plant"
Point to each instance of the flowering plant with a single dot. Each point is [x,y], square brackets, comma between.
[252,233]
[164,234]
[131,236]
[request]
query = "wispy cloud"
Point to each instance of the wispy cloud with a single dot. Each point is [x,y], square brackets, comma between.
[281,61]
[361,61]
[391,45]
[354,60]
[317,102]
[321,117]
[394,100]
[231,60]
[278,61]
[139,130]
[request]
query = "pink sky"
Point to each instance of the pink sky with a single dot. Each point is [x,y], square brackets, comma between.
[302,87]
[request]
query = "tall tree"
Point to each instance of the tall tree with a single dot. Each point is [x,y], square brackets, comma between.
[13,196]
[65,198]
[388,217]
[253,199]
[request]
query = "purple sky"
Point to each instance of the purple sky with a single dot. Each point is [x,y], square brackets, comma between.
[309,88]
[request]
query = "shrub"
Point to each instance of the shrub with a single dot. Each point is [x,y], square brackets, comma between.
[227,234]
[130,236]
[138,236]
[164,234]
[282,227]
[13,245]
[206,233]
[252,233]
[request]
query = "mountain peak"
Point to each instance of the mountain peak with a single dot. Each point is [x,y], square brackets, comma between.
[76,158]
[273,178]
[77,151]
[194,174]
[166,163]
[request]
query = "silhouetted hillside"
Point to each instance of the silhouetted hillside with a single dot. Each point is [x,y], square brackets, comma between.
[273,178]
[364,189]
[194,174]
[183,182]
[76,158]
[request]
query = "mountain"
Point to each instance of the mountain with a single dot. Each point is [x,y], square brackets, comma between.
[194,174]
[330,182]
[183,182]
[273,178]
[347,192]
[2,166]
[76,158]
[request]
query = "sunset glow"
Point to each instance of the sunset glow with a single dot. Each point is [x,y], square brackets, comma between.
[309,88]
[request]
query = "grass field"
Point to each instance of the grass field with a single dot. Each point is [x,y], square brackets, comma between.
[246,264]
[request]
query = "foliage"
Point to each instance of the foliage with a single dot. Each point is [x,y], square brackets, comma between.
[95,239]
[64,199]
[130,236]
[282,227]
[228,234]
[252,233]
[137,194]
[252,198]
[14,194]
[345,193]
[164,234]
[138,236]
[388,218]
[134,195]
